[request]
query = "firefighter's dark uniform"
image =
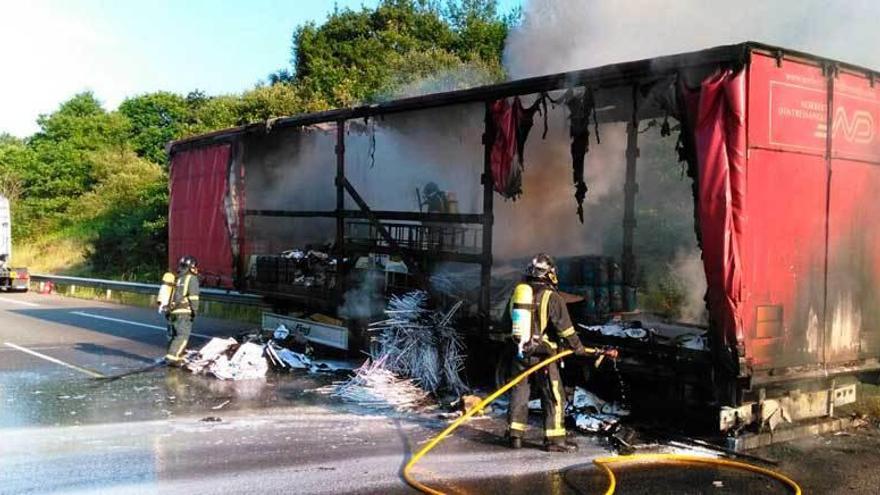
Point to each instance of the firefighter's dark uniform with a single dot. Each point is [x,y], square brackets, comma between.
[182,311]
[551,325]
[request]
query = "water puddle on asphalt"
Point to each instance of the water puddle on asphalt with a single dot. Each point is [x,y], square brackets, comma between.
[62,398]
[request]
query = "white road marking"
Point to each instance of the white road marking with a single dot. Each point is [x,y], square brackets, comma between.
[16,301]
[91,373]
[134,323]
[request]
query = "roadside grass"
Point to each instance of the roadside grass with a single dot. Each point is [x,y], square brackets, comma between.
[64,253]
[59,255]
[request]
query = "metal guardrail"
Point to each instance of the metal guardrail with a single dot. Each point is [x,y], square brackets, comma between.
[206,294]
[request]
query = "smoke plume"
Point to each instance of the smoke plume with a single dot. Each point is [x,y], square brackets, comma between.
[560,35]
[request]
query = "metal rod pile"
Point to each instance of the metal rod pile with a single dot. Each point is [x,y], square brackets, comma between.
[419,353]
[421,344]
[375,386]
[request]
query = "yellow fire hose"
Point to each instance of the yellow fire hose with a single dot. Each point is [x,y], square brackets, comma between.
[602,463]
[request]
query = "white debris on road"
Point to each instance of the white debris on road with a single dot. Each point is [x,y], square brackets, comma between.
[199,361]
[592,414]
[226,359]
[247,363]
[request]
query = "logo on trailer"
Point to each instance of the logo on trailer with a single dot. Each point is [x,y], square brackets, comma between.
[857,130]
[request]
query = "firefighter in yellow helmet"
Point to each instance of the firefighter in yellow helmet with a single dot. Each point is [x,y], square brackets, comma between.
[540,325]
[182,308]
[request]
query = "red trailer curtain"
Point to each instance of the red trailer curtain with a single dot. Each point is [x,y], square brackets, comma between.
[720,142]
[505,173]
[197,222]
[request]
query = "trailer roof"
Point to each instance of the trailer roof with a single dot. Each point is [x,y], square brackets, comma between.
[610,75]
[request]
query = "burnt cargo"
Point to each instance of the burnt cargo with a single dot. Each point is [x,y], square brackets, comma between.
[776,205]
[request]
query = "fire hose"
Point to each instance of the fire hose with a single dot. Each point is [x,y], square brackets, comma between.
[602,463]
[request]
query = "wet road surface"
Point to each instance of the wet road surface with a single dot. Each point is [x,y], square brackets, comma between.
[167,431]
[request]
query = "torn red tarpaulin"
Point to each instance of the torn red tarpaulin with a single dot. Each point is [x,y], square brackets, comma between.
[512,124]
[720,139]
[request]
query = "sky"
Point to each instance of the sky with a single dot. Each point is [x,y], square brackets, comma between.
[53,49]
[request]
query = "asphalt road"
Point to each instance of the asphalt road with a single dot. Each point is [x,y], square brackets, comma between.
[167,431]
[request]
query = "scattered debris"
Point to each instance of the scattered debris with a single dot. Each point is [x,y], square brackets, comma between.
[419,353]
[299,267]
[595,423]
[211,419]
[227,359]
[246,364]
[592,414]
[220,406]
[202,359]
[860,421]
[468,402]
[420,343]
[374,385]
[695,340]
[283,358]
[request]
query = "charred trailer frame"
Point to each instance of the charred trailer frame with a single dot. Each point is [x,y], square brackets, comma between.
[783,152]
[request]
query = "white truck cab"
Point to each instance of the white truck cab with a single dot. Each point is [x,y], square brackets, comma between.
[10,278]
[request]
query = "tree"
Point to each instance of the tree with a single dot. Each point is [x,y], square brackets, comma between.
[360,56]
[266,102]
[480,29]
[125,216]
[59,171]
[14,159]
[155,119]
[98,177]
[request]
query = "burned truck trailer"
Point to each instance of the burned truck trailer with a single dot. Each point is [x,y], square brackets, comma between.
[714,214]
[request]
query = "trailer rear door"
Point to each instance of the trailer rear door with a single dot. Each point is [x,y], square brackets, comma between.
[812,241]
[197,219]
[853,324]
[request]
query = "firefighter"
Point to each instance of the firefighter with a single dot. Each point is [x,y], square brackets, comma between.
[183,308]
[435,199]
[540,324]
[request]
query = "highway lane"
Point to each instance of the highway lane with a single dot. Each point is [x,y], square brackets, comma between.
[80,330]
[167,431]
[63,431]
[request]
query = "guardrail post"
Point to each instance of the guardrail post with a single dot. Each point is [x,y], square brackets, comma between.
[108,294]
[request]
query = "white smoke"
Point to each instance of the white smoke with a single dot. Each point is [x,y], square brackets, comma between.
[687,268]
[561,35]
